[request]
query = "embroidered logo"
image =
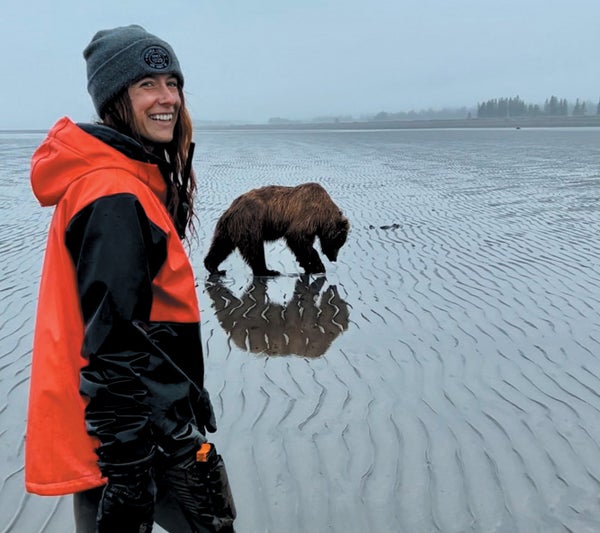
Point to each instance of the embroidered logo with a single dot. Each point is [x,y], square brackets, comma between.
[156,57]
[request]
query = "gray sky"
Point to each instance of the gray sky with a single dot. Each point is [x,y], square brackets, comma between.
[250,60]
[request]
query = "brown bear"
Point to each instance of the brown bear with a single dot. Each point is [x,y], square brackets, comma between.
[298,214]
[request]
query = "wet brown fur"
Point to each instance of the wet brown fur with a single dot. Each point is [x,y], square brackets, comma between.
[298,214]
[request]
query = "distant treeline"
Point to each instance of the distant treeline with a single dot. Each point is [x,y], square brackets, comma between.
[494,108]
[428,114]
[515,107]
[425,114]
[501,108]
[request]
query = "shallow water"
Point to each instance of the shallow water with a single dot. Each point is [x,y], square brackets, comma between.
[442,377]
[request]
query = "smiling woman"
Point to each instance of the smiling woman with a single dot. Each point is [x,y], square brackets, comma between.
[117,349]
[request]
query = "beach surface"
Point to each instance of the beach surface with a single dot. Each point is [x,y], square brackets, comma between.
[443,376]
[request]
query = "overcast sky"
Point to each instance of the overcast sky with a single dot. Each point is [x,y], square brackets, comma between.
[250,60]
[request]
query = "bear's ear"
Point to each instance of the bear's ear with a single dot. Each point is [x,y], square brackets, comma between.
[343,225]
[340,229]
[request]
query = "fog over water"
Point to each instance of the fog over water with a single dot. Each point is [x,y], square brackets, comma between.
[250,61]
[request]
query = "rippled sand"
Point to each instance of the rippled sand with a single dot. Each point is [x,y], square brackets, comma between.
[444,374]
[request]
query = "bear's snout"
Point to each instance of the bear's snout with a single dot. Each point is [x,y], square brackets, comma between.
[332,255]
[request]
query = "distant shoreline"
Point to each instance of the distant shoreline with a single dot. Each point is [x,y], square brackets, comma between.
[466,123]
[513,122]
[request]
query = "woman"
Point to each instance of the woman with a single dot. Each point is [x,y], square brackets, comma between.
[117,399]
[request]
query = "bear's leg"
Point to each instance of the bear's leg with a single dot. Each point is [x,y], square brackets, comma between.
[307,256]
[219,250]
[253,252]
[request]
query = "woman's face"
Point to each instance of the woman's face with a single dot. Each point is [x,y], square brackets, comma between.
[155,102]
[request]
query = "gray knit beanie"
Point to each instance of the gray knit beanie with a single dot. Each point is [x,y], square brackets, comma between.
[120,56]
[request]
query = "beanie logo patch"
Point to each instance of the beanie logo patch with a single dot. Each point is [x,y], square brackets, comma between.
[156,57]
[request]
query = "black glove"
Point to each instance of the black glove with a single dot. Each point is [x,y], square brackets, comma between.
[203,410]
[127,504]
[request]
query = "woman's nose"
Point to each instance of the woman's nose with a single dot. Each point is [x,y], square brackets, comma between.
[168,94]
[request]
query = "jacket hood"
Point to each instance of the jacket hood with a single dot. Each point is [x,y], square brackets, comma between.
[72,151]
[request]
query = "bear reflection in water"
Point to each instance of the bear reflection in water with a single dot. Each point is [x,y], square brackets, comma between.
[305,326]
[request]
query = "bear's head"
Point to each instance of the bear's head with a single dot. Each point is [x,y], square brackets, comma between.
[333,236]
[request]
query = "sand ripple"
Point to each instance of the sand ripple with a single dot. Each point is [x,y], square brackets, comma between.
[442,377]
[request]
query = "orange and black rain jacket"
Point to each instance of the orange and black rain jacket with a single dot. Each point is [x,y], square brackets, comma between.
[117,370]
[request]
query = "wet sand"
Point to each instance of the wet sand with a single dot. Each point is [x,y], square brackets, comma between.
[442,377]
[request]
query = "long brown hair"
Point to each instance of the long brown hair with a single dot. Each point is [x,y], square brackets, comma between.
[118,114]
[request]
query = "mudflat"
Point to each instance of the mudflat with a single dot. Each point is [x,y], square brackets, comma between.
[442,376]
